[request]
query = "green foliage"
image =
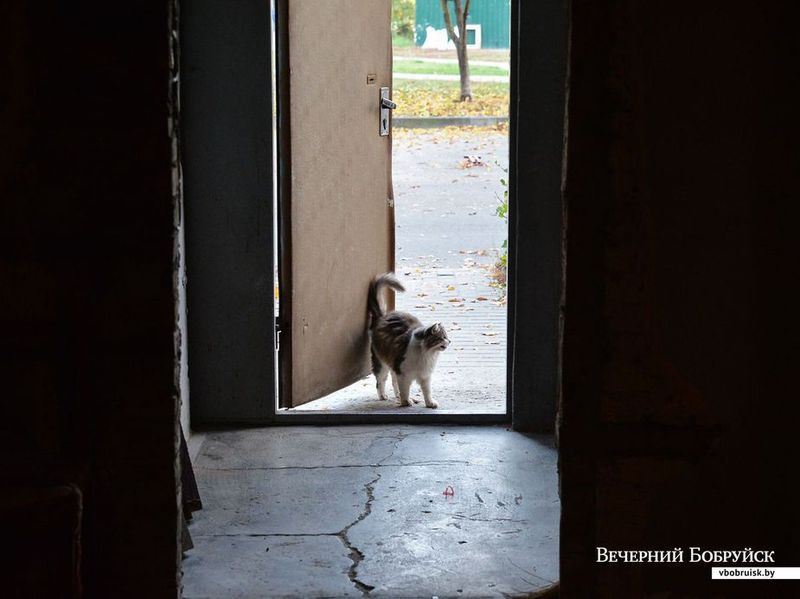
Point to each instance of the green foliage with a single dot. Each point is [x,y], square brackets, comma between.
[409,65]
[403,18]
[401,42]
[502,208]
[501,266]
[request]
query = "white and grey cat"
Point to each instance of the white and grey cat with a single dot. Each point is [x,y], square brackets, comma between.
[402,346]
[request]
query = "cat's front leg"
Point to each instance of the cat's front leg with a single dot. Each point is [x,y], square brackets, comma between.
[426,393]
[404,382]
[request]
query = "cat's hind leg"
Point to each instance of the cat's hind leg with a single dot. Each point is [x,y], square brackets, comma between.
[404,382]
[381,372]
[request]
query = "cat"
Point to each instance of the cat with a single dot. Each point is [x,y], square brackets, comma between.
[400,344]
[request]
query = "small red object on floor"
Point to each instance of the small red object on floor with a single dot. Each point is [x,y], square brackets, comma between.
[449,490]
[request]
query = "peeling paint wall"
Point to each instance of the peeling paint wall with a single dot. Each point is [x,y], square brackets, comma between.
[179,282]
[183,363]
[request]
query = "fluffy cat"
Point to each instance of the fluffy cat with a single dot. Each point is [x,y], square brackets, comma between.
[400,344]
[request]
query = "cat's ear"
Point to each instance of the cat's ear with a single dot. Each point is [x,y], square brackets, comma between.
[434,329]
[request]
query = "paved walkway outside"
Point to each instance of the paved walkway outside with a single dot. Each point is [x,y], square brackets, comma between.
[495,55]
[345,511]
[448,236]
[398,62]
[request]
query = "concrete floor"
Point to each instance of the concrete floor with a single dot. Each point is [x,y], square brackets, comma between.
[361,511]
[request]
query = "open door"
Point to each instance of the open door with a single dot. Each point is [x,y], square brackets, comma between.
[336,215]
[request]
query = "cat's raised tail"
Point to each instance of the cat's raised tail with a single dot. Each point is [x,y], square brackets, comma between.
[374,309]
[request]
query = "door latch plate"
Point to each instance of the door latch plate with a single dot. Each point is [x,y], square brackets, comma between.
[384,112]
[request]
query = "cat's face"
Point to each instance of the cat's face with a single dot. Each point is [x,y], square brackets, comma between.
[435,338]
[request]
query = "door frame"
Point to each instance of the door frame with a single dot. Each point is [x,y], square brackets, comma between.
[535,226]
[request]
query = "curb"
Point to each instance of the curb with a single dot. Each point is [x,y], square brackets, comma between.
[434,122]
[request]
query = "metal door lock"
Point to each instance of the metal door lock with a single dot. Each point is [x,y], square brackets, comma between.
[386,105]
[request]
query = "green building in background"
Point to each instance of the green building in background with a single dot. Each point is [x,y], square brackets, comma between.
[488,23]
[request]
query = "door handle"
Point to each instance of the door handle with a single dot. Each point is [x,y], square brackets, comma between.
[386,105]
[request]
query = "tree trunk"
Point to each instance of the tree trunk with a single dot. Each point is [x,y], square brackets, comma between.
[460,42]
[463,70]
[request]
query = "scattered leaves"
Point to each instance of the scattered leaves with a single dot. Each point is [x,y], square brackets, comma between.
[441,98]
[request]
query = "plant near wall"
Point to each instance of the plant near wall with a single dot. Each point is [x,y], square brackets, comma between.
[500,270]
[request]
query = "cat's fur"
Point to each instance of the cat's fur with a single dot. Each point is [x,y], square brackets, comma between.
[402,345]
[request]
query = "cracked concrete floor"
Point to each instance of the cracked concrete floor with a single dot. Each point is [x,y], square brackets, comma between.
[362,511]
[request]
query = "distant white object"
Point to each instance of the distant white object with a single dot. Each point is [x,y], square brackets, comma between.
[436,39]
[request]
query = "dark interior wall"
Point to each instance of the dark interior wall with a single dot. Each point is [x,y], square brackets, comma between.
[86,299]
[682,182]
[226,123]
[536,141]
